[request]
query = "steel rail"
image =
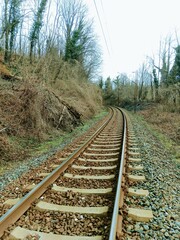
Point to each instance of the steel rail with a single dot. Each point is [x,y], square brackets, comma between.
[112,235]
[13,214]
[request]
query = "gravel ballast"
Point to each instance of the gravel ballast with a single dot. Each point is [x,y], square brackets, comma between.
[24,166]
[21,168]
[162,181]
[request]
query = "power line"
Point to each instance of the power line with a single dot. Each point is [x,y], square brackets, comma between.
[101,27]
[106,26]
[102,5]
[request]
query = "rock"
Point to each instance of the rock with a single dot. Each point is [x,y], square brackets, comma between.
[177,223]
[146,227]
[147,203]
[138,227]
[129,228]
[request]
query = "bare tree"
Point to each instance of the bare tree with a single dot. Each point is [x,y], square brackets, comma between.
[166,56]
[144,78]
[80,43]
[36,27]
[11,22]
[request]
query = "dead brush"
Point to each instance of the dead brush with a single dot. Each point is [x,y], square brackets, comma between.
[9,151]
[30,116]
[42,110]
[5,147]
[85,97]
[4,71]
[52,95]
[73,87]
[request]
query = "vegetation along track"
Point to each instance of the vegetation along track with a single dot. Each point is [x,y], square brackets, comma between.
[81,195]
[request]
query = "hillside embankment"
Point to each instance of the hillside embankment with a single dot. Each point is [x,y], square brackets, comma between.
[34,109]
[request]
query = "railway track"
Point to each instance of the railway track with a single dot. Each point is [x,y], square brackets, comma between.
[79,196]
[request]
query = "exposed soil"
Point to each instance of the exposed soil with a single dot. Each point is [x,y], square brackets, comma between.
[31,112]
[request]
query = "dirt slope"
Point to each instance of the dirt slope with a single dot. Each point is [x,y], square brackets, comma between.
[32,109]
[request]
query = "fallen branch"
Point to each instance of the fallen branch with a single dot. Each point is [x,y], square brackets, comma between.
[60,119]
[2,130]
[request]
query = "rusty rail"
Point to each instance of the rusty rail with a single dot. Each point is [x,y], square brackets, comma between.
[114,222]
[13,214]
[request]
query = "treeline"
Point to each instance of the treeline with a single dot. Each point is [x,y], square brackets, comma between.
[157,80]
[59,31]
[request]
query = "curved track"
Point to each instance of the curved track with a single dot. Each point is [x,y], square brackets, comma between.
[79,199]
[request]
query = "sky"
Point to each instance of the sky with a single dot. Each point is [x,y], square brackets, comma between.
[132,29]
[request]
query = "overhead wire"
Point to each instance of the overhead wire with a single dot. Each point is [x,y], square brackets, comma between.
[104,36]
[106,26]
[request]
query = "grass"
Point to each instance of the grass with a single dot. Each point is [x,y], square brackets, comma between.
[66,137]
[35,149]
[169,145]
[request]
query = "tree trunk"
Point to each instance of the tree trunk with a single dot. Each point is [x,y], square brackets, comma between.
[152,91]
[6,52]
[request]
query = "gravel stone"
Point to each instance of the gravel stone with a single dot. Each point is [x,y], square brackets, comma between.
[10,176]
[25,166]
[162,181]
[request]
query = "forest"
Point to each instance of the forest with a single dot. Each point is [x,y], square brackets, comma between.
[48,56]
[90,150]
[157,80]
[50,73]
[32,37]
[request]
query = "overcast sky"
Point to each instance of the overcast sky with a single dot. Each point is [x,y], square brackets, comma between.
[133,29]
